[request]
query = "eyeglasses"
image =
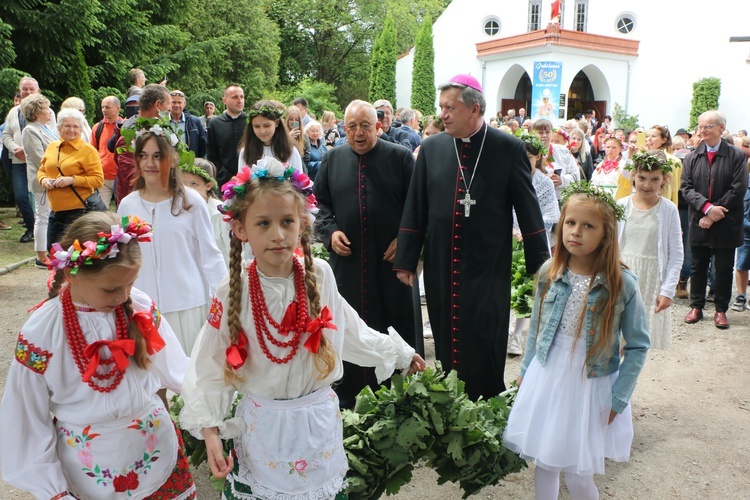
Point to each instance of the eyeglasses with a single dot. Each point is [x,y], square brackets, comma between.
[703,128]
[177,93]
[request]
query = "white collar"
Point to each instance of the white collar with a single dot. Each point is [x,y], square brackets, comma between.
[468,139]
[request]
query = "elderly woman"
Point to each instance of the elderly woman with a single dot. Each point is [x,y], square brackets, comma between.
[39,132]
[314,132]
[77,103]
[71,172]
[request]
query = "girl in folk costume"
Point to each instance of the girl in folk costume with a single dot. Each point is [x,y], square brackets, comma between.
[572,409]
[266,135]
[651,241]
[608,172]
[277,334]
[201,176]
[81,394]
[182,266]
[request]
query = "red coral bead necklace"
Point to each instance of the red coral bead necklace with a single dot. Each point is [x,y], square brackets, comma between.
[77,344]
[261,314]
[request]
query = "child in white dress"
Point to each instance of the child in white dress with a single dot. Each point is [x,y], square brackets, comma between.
[572,409]
[182,266]
[651,241]
[80,409]
[277,333]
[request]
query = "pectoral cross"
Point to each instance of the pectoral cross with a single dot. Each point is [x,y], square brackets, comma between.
[467,202]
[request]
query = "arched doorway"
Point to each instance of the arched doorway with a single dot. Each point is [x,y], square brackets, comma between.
[521,91]
[582,96]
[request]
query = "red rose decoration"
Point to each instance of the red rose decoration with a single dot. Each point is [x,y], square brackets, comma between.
[125,483]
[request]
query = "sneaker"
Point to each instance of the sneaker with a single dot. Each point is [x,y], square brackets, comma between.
[514,346]
[4,227]
[710,296]
[427,333]
[41,265]
[740,303]
[27,237]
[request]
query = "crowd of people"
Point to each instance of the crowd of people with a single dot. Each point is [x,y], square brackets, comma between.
[201,279]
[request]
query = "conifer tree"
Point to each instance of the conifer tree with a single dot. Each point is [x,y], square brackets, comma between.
[423,74]
[383,64]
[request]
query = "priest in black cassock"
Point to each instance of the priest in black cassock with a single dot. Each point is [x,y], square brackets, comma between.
[361,189]
[465,183]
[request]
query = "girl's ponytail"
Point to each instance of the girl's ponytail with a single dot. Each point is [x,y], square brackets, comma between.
[235,301]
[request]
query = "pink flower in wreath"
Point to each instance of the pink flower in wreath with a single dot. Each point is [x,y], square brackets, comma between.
[151,441]
[86,458]
[300,465]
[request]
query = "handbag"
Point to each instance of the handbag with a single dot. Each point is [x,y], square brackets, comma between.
[93,203]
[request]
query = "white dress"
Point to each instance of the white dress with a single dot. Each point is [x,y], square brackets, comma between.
[92,440]
[181,266]
[559,418]
[287,431]
[639,249]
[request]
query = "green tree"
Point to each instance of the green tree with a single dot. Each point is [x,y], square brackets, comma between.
[80,82]
[423,75]
[383,64]
[706,92]
[624,120]
[320,96]
[408,17]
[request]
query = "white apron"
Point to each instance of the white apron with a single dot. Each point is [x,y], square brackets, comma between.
[129,458]
[291,449]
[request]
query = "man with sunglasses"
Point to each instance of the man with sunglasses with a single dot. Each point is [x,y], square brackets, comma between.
[193,132]
[714,182]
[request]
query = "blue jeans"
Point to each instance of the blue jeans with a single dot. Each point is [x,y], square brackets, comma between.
[21,195]
[687,260]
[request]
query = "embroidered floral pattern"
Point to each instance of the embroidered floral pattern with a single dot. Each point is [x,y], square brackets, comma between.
[32,357]
[125,480]
[180,484]
[215,313]
[298,467]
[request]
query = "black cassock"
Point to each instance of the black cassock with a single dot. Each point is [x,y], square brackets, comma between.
[363,196]
[467,260]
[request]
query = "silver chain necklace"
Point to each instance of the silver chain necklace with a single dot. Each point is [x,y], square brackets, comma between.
[467,202]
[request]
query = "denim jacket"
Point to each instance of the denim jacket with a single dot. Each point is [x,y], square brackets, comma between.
[630,321]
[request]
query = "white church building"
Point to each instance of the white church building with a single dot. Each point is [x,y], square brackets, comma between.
[644,55]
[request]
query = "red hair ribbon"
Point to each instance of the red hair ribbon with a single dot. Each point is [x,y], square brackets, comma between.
[145,322]
[120,350]
[237,353]
[315,327]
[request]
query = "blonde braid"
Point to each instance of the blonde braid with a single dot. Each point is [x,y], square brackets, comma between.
[235,301]
[140,357]
[58,280]
[325,358]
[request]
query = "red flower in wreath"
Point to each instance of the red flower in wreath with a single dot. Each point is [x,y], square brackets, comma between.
[126,483]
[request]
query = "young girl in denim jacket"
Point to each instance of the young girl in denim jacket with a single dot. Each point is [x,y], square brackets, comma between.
[572,410]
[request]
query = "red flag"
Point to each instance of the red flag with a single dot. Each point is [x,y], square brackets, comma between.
[556,9]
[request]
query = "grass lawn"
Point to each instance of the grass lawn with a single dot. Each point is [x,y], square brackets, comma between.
[12,250]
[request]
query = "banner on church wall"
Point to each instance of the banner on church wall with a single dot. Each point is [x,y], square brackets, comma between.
[545,90]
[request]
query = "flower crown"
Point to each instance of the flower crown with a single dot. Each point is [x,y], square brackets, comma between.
[270,112]
[651,162]
[266,168]
[534,142]
[613,137]
[562,132]
[104,248]
[195,170]
[157,126]
[593,191]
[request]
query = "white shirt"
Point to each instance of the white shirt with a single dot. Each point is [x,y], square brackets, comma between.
[295,160]
[208,397]
[181,265]
[28,454]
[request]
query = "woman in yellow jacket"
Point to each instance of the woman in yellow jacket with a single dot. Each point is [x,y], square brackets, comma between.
[71,172]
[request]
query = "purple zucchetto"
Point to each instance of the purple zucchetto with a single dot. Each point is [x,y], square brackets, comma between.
[467,80]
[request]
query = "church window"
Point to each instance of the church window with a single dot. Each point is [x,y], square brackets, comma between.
[625,23]
[492,26]
[535,15]
[582,7]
